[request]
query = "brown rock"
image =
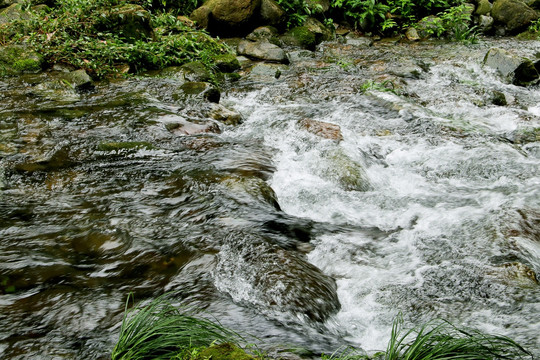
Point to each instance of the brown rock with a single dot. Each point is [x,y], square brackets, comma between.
[322,129]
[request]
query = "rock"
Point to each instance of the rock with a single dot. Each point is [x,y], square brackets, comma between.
[268,71]
[6,3]
[515,69]
[517,274]
[321,32]
[228,17]
[277,282]
[201,90]
[322,129]
[525,136]
[186,21]
[263,33]
[534,4]
[124,146]
[318,6]
[251,188]
[56,158]
[79,80]
[12,13]
[485,23]
[184,127]
[412,34]
[514,14]
[194,71]
[483,7]
[19,59]
[130,21]
[222,114]
[272,14]
[262,50]
[57,90]
[499,98]
[349,175]
[300,36]
[227,63]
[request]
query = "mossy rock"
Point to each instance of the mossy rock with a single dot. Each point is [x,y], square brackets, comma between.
[196,71]
[202,90]
[300,36]
[125,145]
[19,59]
[227,63]
[226,351]
[12,13]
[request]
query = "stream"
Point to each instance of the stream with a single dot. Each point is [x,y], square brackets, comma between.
[427,203]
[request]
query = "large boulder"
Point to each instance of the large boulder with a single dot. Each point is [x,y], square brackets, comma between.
[272,14]
[515,15]
[228,17]
[277,282]
[514,69]
[262,50]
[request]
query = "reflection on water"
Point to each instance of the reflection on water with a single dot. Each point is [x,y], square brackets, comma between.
[429,204]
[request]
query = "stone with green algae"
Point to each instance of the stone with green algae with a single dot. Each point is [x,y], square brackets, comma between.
[226,351]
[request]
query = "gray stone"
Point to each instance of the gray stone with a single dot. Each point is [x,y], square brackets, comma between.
[79,80]
[514,14]
[12,13]
[485,23]
[222,114]
[262,50]
[321,32]
[198,90]
[412,34]
[513,68]
[263,33]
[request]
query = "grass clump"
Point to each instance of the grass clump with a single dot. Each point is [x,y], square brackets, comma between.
[442,340]
[161,331]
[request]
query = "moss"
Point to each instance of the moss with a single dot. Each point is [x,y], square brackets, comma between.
[125,145]
[226,351]
[302,36]
[18,59]
[227,63]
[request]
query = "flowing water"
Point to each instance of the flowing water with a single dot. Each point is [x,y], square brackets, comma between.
[429,205]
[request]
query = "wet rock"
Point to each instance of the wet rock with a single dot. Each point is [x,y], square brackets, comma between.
[79,80]
[412,34]
[200,90]
[499,98]
[56,158]
[483,7]
[124,146]
[195,71]
[268,71]
[228,17]
[525,136]
[515,15]
[56,90]
[130,21]
[513,68]
[227,63]
[184,127]
[279,283]
[322,129]
[19,59]
[300,36]
[249,188]
[517,274]
[12,13]
[262,33]
[222,114]
[349,175]
[272,14]
[262,50]
[321,32]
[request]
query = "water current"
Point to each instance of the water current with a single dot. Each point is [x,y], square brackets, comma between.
[428,203]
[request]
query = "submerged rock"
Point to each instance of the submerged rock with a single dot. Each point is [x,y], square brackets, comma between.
[515,69]
[277,282]
[515,15]
[349,175]
[262,50]
[184,127]
[222,114]
[199,90]
[251,187]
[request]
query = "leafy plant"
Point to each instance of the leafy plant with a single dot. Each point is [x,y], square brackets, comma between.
[161,331]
